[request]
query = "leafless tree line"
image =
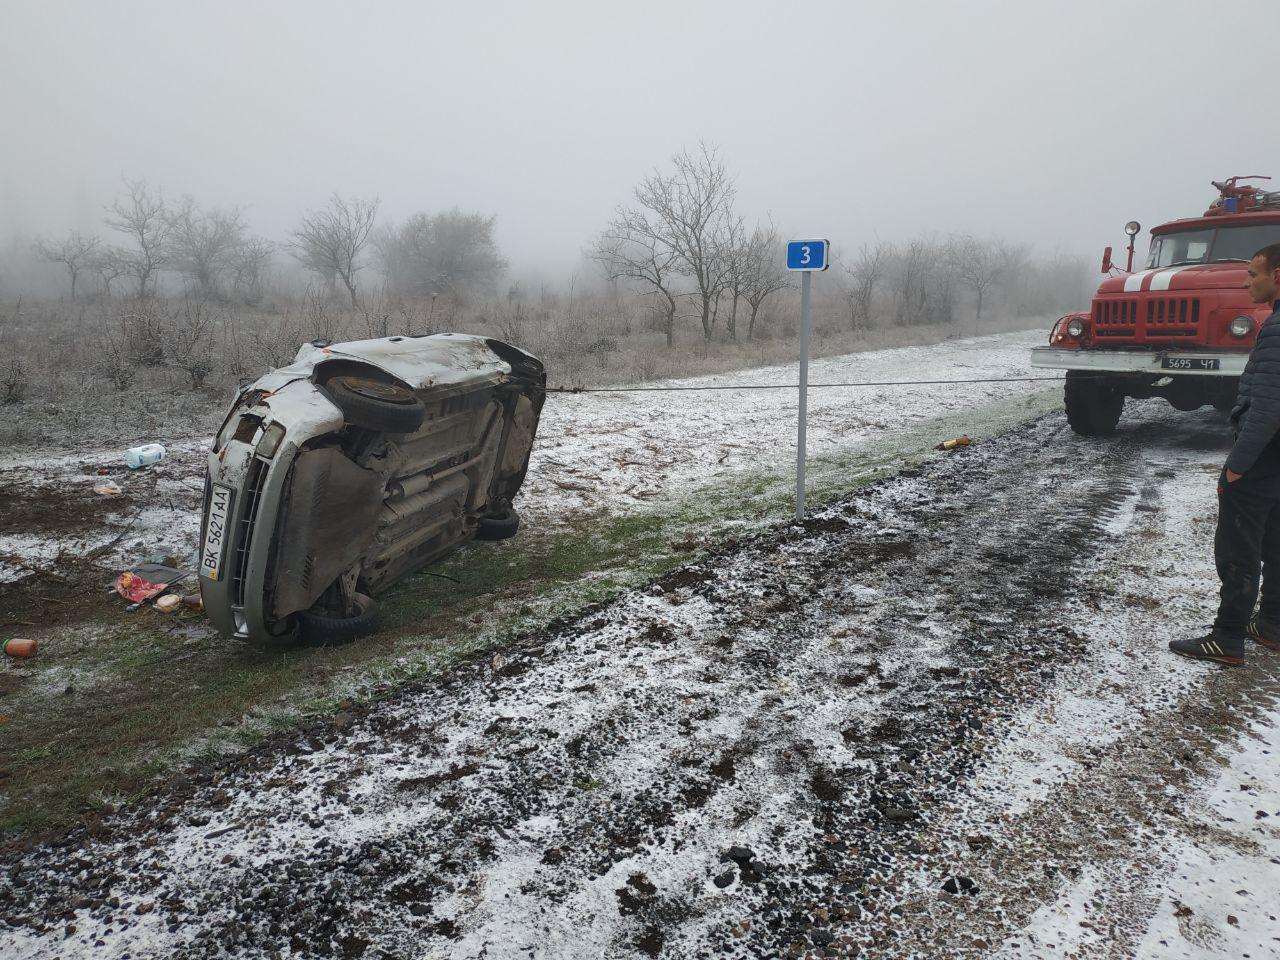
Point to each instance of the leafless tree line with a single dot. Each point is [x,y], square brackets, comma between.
[923,280]
[216,257]
[681,249]
[209,247]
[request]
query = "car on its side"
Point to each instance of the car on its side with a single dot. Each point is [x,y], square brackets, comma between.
[356,465]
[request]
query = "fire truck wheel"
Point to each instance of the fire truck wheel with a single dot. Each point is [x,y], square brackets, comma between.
[1093,404]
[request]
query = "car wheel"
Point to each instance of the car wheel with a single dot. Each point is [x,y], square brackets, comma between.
[385,407]
[500,525]
[324,629]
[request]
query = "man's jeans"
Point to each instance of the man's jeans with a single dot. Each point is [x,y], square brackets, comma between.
[1247,544]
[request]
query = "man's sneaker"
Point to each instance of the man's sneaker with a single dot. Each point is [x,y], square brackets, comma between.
[1265,633]
[1217,646]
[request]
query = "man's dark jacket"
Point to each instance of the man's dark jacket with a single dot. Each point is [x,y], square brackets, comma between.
[1256,415]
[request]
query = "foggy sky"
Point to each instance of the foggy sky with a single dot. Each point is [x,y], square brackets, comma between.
[1047,122]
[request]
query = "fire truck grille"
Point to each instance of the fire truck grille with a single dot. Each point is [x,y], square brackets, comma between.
[1167,319]
[1115,318]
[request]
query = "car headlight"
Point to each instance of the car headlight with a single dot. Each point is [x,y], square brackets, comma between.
[1075,328]
[270,441]
[1241,326]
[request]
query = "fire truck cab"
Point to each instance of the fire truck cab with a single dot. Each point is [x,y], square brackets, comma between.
[1181,328]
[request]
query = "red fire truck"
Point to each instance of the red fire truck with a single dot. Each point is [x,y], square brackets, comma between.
[1181,328]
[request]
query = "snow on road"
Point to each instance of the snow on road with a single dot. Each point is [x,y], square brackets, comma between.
[955,677]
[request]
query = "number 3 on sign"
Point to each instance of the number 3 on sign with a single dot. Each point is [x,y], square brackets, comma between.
[807,255]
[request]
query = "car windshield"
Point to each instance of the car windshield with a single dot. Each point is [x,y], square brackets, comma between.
[1211,244]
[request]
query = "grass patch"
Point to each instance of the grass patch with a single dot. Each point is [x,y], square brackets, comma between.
[117,701]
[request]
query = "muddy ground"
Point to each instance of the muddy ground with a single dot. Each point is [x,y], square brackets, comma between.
[907,727]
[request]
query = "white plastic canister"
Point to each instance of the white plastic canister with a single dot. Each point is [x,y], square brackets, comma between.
[144,455]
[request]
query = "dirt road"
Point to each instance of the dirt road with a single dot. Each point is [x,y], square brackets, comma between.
[938,719]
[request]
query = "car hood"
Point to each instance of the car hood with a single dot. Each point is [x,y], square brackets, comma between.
[446,359]
[1197,276]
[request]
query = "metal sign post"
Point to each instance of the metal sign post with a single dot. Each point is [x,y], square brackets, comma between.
[808,257]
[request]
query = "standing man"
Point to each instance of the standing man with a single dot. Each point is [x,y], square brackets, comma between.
[1247,541]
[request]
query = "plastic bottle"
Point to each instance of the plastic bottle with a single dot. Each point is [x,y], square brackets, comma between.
[144,455]
[19,647]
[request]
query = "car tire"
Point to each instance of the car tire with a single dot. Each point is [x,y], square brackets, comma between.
[1093,404]
[375,405]
[500,525]
[321,629]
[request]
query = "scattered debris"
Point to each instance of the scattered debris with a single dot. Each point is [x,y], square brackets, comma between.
[951,444]
[144,456]
[108,488]
[19,647]
[146,581]
[168,603]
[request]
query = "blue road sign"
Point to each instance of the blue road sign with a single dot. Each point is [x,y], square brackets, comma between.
[808,255]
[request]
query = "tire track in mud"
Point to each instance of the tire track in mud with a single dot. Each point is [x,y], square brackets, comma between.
[742,760]
[1098,840]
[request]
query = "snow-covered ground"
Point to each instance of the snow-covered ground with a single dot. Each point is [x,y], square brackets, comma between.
[615,451]
[619,450]
[959,674]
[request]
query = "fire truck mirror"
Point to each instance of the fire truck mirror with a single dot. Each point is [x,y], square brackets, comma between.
[1106,260]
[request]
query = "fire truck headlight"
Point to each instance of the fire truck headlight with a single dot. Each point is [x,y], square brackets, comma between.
[1075,328]
[1241,326]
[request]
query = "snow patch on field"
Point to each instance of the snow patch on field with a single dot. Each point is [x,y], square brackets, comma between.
[624,449]
[1220,900]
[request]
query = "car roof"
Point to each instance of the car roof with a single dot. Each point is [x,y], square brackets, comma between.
[443,359]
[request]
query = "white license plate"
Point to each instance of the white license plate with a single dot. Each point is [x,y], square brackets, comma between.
[1189,363]
[216,532]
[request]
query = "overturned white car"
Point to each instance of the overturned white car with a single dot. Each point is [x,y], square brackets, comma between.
[333,477]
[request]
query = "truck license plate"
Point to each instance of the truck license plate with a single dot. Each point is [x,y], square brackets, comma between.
[215,532]
[1189,363]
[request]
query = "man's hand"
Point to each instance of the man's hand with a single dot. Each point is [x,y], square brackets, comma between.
[1233,477]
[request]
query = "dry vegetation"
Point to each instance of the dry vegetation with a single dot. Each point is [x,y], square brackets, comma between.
[151,334]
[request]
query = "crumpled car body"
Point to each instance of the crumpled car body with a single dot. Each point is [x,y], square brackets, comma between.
[356,465]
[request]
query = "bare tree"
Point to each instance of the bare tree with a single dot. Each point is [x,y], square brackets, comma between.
[978,264]
[74,251]
[736,269]
[141,215]
[692,213]
[865,275]
[248,260]
[190,340]
[633,248]
[451,252]
[110,264]
[202,243]
[922,281]
[329,242]
[763,275]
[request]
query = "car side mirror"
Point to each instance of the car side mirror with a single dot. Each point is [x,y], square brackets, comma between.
[1107,265]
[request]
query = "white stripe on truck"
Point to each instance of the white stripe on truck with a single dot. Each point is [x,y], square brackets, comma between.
[1161,280]
[1133,282]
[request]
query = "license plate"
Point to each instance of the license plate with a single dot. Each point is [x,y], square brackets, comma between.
[1189,363]
[216,532]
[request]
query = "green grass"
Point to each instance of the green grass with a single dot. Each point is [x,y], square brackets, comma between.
[147,697]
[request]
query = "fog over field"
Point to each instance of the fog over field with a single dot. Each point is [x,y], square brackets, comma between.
[1045,123]
[189,191]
